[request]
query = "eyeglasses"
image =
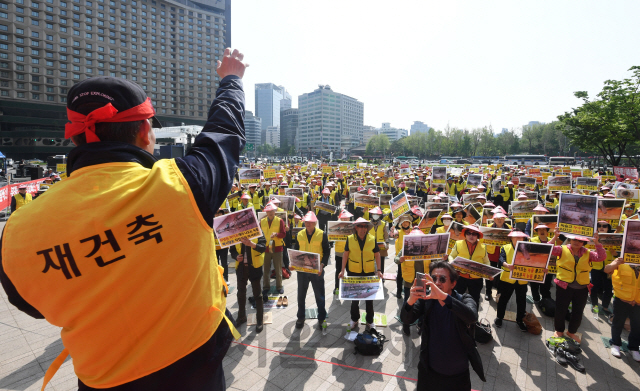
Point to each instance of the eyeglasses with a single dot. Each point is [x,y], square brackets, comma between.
[602,225]
[437,278]
[472,233]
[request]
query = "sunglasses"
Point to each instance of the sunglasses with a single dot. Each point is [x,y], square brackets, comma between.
[602,225]
[472,233]
[437,278]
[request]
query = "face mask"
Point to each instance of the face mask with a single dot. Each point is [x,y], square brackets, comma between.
[446,222]
[375,217]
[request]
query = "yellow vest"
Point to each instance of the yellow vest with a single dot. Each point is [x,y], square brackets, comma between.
[441,230]
[102,287]
[304,201]
[378,233]
[313,246]
[626,285]
[22,201]
[504,276]
[567,267]
[478,254]
[268,230]
[400,240]
[257,258]
[256,201]
[361,261]
[339,246]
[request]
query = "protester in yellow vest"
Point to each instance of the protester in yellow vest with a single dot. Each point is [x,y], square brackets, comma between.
[446,221]
[600,280]
[128,270]
[470,248]
[312,240]
[244,202]
[21,199]
[542,290]
[573,265]
[494,252]
[256,196]
[339,250]
[458,216]
[508,285]
[626,305]
[380,232]
[274,230]
[363,259]
[403,228]
[249,257]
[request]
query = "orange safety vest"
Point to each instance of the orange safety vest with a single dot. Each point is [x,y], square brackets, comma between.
[136,284]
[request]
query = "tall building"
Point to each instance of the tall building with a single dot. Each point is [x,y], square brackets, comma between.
[329,121]
[419,127]
[168,47]
[392,133]
[273,136]
[268,98]
[368,132]
[252,128]
[288,127]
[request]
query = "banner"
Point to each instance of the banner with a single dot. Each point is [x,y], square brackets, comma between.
[304,262]
[9,191]
[337,231]
[466,266]
[230,228]
[424,247]
[361,288]
[626,172]
[631,242]
[399,205]
[577,214]
[249,175]
[530,261]
[584,183]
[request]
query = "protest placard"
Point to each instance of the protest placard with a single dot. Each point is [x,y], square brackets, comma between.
[474,268]
[631,242]
[249,175]
[439,175]
[287,203]
[550,221]
[577,214]
[269,173]
[495,236]
[428,220]
[530,261]
[425,247]
[630,195]
[471,198]
[529,182]
[474,180]
[399,205]
[304,262]
[332,209]
[366,201]
[472,214]
[523,210]
[610,211]
[230,228]
[455,234]
[337,231]
[361,288]
[559,183]
[584,183]
[294,192]
[281,215]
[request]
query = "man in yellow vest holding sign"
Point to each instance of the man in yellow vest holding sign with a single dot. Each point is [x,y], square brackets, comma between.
[132,278]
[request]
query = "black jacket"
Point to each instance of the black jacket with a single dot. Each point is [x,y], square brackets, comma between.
[261,246]
[465,310]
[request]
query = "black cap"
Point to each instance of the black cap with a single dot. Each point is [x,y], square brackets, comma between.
[96,92]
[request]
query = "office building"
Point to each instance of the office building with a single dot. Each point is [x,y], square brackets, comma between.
[252,128]
[368,132]
[419,127]
[328,122]
[288,127]
[273,136]
[392,133]
[268,98]
[168,47]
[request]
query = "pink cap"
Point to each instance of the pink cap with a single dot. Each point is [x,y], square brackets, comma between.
[376,211]
[345,214]
[310,217]
[270,207]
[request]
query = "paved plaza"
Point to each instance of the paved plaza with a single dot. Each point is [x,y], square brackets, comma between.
[513,361]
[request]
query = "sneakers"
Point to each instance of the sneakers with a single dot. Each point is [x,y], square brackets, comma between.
[571,359]
[522,326]
[498,322]
[560,359]
[595,309]
[635,355]
[615,351]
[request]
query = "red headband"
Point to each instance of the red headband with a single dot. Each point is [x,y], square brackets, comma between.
[81,123]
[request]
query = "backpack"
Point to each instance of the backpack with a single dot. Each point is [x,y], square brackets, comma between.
[548,307]
[482,331]
[369,343]
[532,323]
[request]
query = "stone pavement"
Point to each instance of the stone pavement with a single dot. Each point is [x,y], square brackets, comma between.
[513,361]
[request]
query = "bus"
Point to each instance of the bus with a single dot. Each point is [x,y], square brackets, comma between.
[562,161]
[525,160]
[484,159]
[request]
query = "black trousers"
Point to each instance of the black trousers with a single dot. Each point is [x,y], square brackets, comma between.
[399,280]
[338,259]
[490,284]
[430,380]
[355,304]
[506,290]
[541,289]
[242,274]
[473,284]
[222,260]
[601,284]
[578,299]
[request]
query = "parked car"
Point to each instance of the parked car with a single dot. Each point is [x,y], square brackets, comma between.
[463,161]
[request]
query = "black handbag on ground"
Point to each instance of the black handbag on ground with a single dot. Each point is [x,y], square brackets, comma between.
[369,343]
[483,331]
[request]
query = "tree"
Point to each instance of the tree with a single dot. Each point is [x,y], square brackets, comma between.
[610,124]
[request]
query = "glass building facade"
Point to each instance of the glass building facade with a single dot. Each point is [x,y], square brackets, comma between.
[168,47]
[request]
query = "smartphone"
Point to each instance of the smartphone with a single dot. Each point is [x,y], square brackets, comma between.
[421,281]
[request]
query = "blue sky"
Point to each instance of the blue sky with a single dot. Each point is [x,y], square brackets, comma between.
[463,63]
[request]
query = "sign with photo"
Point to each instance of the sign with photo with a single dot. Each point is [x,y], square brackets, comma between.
[337,231]
[399,205]
[249,176]
[531,261]
[361,288]
[495,236]
[287,203]
[232,227]
[366,201]
[428,220]
[610,211]
[439,175]
[577,214]
[323,206]
[559,183]
[466,266]
[550,221]
[474,180]
[294,192]
[630,195]
[528,182]
[631,242]
[584,183]
[424,247]
[304,262]
[281,215]
[472,214]
[455,234]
